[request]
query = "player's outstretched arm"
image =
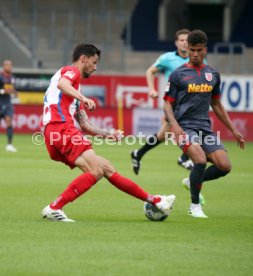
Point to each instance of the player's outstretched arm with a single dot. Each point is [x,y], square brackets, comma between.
[87,127]
[223,116]
[66,87]
[150,77]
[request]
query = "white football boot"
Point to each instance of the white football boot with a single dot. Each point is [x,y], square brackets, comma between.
[10,148]
[196,211]
[55,215]
[186,184]
[166,203]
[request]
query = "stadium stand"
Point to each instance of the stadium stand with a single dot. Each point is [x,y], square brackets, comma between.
[125,30]
[49,30]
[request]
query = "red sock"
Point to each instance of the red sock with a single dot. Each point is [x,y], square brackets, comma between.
[128,186]
[75,189]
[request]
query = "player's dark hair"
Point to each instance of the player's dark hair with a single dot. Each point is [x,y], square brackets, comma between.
[197,37]
[180,32]
[88,50]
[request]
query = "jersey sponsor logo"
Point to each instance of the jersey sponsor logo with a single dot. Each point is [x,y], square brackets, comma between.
[69,74]
[199,88]
[167,87]
[208,76]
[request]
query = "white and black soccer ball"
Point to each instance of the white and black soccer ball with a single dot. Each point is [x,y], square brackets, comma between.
[152,213]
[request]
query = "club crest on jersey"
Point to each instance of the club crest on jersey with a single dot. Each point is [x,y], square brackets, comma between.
[70,74]
[208,76]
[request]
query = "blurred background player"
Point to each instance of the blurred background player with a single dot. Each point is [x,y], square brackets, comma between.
[166,64]
[67,144]
[195,86]
[6,109]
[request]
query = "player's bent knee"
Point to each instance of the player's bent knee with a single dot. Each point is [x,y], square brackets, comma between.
[108,169]
[98,173]
[225,167]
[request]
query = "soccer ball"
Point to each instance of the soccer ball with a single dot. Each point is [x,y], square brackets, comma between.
[152,213]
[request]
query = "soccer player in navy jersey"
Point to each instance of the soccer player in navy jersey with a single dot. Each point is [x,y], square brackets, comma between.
[191,89]
[6,109]
[166,63]
[63,103]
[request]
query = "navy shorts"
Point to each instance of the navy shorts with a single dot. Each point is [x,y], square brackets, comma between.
[6,110]
[208,140]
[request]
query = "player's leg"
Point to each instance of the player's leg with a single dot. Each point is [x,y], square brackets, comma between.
[198,156]
[151,142]
[9,129]
[217,155]
[89,164]
[74,153]
[221,165]
[128,186]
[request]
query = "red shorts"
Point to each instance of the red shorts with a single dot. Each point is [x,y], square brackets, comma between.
[65,143]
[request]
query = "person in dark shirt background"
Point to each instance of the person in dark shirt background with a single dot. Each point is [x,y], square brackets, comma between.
[6,108]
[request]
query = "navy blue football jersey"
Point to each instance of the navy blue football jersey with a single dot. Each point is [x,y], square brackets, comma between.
[190,90]
[6,81]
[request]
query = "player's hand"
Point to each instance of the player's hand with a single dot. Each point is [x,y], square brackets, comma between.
[240,140]
[116,135]
[119,134]
[153,94]
[90,104]
[178,132]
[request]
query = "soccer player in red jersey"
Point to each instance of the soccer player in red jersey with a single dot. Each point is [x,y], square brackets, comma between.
[66,143]
[191,89]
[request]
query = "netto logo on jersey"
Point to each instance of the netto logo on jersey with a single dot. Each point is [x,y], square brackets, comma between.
[199,88]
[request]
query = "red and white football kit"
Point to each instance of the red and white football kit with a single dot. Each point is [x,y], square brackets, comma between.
[58,120]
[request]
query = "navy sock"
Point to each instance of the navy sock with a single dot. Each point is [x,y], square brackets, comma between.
[9,132]
[196,177]
[213,172]
[151,142]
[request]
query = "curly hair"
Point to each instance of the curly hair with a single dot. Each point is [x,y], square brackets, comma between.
[197,37]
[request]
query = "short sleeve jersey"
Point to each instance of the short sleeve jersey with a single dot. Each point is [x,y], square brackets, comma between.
[168,62]
[59,107]
[190,90]
[6,81]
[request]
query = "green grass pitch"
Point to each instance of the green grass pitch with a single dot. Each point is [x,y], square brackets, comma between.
[112,235]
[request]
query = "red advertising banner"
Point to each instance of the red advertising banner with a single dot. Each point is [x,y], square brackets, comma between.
[243,121]
[28,117]
[127,91]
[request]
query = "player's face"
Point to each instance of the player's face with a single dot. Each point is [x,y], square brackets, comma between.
[181,43]
[7,67]
[197,54]
[89,65]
